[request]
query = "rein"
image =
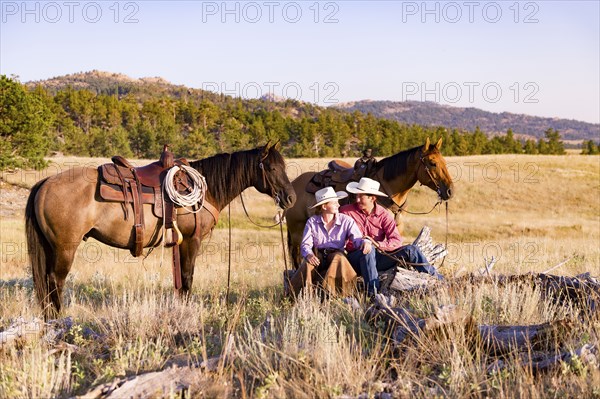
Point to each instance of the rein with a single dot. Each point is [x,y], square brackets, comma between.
[280,223]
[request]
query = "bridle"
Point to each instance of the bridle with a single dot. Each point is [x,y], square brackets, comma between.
[435,182]
[266,180]
[396,208]
[274,195]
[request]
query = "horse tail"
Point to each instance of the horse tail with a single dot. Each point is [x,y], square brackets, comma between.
[38,248]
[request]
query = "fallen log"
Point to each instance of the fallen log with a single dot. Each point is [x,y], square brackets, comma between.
[180,373]
[164,383]
[582,290]
[495,339]
[51,333]
[433,252]
[588,355]
[20,332]
[408,330]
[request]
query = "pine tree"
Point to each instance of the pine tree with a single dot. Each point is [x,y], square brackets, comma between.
[24,124]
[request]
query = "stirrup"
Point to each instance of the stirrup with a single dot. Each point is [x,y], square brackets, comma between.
[173,236]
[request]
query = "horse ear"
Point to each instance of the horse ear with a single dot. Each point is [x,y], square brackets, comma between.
[427,144]
[438,145]
[277,145]
[266,148]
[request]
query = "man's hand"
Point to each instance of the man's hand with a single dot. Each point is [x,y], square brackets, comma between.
[367,246]
[373,242]
[313,260]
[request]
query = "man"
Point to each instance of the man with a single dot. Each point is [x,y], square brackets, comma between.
[364,165]
[377,225]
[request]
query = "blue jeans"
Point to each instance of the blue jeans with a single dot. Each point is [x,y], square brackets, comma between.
[370,264]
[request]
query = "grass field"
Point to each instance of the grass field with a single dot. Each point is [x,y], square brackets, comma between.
[530,212]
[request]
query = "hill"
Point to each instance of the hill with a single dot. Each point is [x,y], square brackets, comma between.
[406,112]
[434,114]
[108,83]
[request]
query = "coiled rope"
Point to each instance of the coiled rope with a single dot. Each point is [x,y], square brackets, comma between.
[197,191]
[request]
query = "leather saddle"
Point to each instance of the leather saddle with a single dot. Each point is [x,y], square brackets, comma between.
[122,182]
[338,173]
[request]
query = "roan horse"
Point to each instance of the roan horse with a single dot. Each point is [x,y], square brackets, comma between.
[397,175]
[64,209]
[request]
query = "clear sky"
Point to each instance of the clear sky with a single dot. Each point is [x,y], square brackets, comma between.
[530,57]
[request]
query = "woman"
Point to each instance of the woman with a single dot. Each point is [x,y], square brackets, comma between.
[323,241]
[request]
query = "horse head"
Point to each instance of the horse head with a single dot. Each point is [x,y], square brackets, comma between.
[432,171]
[272,178]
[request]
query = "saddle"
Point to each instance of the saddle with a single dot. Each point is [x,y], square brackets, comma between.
[122,182]
[338,173]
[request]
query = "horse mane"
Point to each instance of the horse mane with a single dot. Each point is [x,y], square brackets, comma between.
[227,175]
[396,164]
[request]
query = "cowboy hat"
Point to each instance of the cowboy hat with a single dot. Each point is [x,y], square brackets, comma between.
[365,186]
[328,194]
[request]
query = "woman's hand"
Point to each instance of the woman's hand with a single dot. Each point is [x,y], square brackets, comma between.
[313,259]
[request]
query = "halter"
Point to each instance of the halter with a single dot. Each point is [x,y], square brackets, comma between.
[437,186]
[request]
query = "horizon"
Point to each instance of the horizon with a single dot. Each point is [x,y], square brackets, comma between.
[531,58]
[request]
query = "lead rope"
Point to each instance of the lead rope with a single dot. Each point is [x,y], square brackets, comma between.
[280,223]
[421,213]
[443,260]
[229,255]
[281,216]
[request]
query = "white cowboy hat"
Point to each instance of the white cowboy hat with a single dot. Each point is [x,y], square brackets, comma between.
[328,194]
[365,186]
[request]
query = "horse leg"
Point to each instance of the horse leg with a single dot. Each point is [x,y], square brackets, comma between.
[294,241]
[188,250]
[57,274]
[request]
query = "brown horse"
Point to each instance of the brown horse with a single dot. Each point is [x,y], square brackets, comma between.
[64,209]
[397,175]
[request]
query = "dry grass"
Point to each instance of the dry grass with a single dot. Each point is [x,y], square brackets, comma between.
[531,212]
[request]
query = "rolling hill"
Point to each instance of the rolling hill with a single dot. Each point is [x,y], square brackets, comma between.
[434,114]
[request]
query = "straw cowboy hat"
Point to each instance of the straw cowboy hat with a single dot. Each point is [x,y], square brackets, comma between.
[328,194]
[365,186]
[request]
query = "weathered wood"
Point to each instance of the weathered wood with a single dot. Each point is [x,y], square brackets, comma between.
[487,268]
[582,291]
[408,280]
[545,362]
[164,383]
[496,339]
[400,279]
[179,374]
[50,333]
[433,252]
[20,332]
